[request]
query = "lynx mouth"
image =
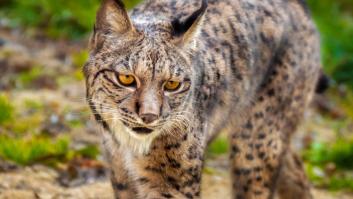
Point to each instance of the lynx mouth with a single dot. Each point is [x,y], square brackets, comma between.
[142,130]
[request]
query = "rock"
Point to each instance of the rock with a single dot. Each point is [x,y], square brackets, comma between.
[16,57]
[6,166]
[55,125]
[2,42]
[82,171]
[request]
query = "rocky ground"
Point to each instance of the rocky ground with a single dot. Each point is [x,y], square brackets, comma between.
[18,54]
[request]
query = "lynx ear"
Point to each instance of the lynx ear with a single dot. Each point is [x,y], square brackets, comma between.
[184,31]
[113,17]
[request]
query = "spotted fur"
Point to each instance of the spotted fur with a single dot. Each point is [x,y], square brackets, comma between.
[249,67]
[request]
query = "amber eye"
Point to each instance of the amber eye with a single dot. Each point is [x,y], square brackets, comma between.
[172,86]
[127,80]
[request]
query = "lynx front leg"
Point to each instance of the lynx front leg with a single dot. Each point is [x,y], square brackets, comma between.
[260,142]
[172,169]
[255,159]
[292,182]
[260,139]
[120,180]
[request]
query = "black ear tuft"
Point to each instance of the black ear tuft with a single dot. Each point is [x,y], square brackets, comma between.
[120,3]
[181,27]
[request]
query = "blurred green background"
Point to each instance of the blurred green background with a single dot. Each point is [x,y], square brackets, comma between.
[33,130]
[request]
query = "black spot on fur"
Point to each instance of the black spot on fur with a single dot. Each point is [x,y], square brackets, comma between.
[258,178]
[167,195]
[262,155]
[249,157]
[189,195]
[271,92]
[262,136]
[172,181]
[120,186]
[143,180]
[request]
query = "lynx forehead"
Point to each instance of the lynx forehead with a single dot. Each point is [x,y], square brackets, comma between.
[165,79]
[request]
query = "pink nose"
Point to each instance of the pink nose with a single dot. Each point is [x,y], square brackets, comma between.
[149,118]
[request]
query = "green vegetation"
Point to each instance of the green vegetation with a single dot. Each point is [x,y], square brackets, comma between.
[41,149]
[31,150]
[90,151]
[343,101]
[57,19]
[333,181]
[330,165]
[25,142]
[79,58]
[33,105]
[28,124]
[218,147]
[341,182]
[27,78]
[339,153]
[6,113]
[335,22]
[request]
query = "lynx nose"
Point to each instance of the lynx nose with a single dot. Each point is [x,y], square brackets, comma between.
[149,118]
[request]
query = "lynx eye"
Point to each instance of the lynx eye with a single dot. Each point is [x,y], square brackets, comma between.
[126,80]
[172,86]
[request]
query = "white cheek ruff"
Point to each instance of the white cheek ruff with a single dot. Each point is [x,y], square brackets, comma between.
[138,144]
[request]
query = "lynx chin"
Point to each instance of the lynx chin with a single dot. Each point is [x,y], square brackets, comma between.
[166,78]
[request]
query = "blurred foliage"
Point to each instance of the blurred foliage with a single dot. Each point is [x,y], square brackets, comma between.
[339,153]
[26,78]
[33,105]
[342,99]
[58,19]
[79,59]
[330,165]
[27,141]
[335,22]
[33,149]
[90,151]
[28,124]
[218,147]
[41,149]
[6,113]
[341,182]
[335,181]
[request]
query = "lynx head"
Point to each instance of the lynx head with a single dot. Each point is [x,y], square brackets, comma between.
[139,76]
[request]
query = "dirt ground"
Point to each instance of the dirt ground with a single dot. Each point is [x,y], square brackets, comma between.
[39,182]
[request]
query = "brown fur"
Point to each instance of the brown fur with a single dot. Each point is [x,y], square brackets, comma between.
[247,66]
